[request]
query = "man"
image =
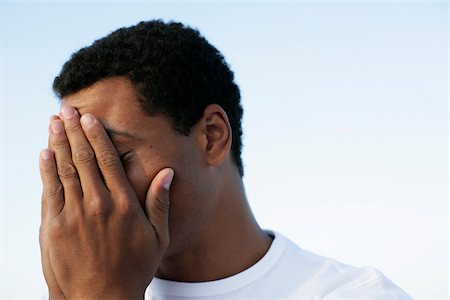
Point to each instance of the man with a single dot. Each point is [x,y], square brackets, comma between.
[143,184]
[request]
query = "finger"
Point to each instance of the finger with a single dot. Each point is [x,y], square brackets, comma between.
[52,118]
[108,159]
[82,154]
[66,170]
[157,204]
[53,194]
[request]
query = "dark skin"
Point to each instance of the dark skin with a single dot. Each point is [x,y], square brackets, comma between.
[109,223]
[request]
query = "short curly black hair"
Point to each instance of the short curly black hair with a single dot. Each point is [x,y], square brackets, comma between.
[174,69]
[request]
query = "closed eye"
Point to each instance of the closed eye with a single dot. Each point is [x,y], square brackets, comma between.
[124,158]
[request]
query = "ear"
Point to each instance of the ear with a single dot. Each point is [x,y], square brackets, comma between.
[216,134]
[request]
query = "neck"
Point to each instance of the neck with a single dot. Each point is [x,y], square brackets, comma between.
[230,243]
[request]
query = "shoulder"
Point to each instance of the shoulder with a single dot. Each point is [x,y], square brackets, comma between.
[368,283]
[306,274]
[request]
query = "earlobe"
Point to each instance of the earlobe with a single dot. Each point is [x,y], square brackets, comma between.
[218,134]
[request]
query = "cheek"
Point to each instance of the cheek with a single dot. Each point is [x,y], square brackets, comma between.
[143,167]
[139,180]
[185,189]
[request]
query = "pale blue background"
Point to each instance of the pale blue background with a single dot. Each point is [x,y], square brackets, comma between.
[346,124]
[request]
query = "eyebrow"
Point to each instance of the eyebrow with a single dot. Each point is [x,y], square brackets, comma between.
[115,132]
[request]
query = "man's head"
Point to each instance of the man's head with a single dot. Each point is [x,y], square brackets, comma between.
[175,71]
[168,99]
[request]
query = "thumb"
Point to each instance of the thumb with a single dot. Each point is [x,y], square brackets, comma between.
[157,204]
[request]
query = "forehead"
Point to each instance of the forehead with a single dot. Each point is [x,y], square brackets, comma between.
[115,91]
[112,100]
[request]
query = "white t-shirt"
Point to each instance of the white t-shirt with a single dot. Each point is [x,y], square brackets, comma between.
[286,272]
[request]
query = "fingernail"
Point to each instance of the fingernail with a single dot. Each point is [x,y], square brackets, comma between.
[67,112]
[87,120]
[56,127]
[168,179]
[46,154]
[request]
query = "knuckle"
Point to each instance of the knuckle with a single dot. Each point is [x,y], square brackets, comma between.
[74,222]
[108,158]
[98,207]
[162,206]
[94,133]
[54,190]
[127,206]
[83,156]
[56,228]
[59,142]
[73,184]
[73,127]
[67,170]
[49,169]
